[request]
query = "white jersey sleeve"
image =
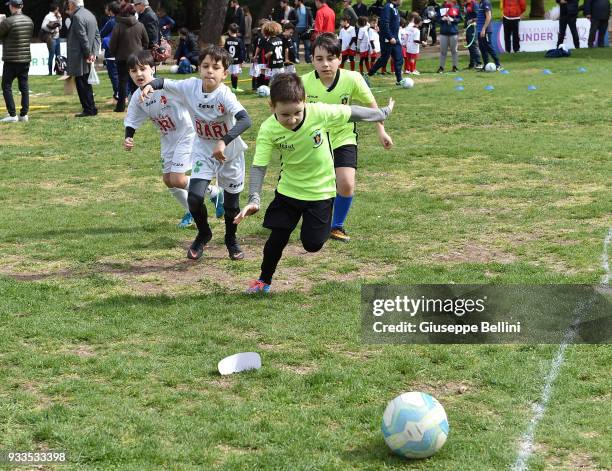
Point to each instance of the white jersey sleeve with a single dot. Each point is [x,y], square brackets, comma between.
[231,103]
[136,114]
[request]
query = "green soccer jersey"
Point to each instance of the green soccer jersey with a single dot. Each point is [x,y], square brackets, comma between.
[348,86]
[307,167]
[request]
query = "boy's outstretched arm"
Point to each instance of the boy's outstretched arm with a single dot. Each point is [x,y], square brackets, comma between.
[256,178]
[156,84]
[361,113]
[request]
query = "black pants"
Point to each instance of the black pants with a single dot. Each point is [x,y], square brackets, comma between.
[597,26]
[564,22]
[10,72]
[85,92]
[125,84]
[511,35]
[389,50]
[486,48]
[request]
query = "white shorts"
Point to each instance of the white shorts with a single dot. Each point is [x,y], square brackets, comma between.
[178,159]
[235,69]
[271,73]
[230,174]
[290,69]
[255,70]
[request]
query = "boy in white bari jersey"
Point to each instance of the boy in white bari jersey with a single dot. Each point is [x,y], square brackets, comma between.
[219,119]
[172,119]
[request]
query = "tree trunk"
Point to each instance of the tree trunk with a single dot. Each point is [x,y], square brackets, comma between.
[191,10]
[537,9]
[213,19]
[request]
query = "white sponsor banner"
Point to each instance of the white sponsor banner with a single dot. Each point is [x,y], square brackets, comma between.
[541,35]
[40,58]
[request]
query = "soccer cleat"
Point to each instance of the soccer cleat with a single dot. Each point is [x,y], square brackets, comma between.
[479,67]
[499,68]
[218,202]
[196,249]
[440,70]
[455,69]
[9,119]
[258,286]
[338,233]
[24,119]
[416,72]
[186,221]
[234,250]
[237,90]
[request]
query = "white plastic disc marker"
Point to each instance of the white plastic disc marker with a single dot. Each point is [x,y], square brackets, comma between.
[239,362]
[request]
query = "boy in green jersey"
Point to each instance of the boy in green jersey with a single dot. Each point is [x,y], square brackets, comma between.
[330,84]
[306,186]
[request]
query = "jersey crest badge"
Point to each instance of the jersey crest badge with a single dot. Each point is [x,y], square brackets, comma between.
[317,138]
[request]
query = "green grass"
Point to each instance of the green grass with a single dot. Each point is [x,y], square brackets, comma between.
[110,339]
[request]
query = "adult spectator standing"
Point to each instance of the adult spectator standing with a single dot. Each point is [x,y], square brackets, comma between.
[360,9]
[248,32]
[166,23]
[304,25]
[325,19]
[390,41]
[449,17]
[568,14]
[51,25]
[149,19]
[349,13]
[376,9]
[236,16]
[15,34]
[188,47]
[83,45]
[285,14]
[129,37]
[598,11]
[512,12]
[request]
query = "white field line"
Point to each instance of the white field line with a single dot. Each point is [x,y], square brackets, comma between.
[527,441]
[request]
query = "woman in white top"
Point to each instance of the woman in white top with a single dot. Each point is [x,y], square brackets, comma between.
[51,26]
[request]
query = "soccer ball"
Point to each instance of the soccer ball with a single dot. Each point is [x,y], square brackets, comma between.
[490,67]
[174,69]
[407,82]
[263,91]
[415,425]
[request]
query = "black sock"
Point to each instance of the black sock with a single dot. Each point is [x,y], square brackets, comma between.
[234,81]
[231,205]
[197,208]
[273,251]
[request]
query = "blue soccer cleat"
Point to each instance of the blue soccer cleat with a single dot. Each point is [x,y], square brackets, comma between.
[186,221]
[258,286]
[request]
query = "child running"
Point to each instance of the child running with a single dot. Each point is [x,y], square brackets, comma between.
[330,84]
[172,119]
[219,120]
[306,186]
[348,39]
[235,48]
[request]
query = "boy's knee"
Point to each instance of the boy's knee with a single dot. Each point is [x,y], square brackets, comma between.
[312,246]
[195,201]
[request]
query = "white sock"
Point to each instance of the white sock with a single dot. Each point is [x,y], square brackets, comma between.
[181,196]
[212,190]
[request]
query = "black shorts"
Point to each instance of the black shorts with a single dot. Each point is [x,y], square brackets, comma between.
[285,212]
[346,156]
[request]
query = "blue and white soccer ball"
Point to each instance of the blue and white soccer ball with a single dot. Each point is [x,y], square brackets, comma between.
[407,82]
[415,425]
[490,67]
[263,91]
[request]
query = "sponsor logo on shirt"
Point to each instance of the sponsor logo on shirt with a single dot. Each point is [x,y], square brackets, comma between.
[211,129]
[284,146]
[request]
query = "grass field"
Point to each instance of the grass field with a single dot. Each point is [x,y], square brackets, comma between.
[110,336]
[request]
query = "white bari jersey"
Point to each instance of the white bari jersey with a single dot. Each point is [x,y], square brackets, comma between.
[167,112]
[213,115]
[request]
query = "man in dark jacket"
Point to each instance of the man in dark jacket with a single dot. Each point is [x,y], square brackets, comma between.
[389,39]
[15,34]
[187,48]
[568,13]
[360,9]
[83,44]
[149,19]
[236,15]
[598,11]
